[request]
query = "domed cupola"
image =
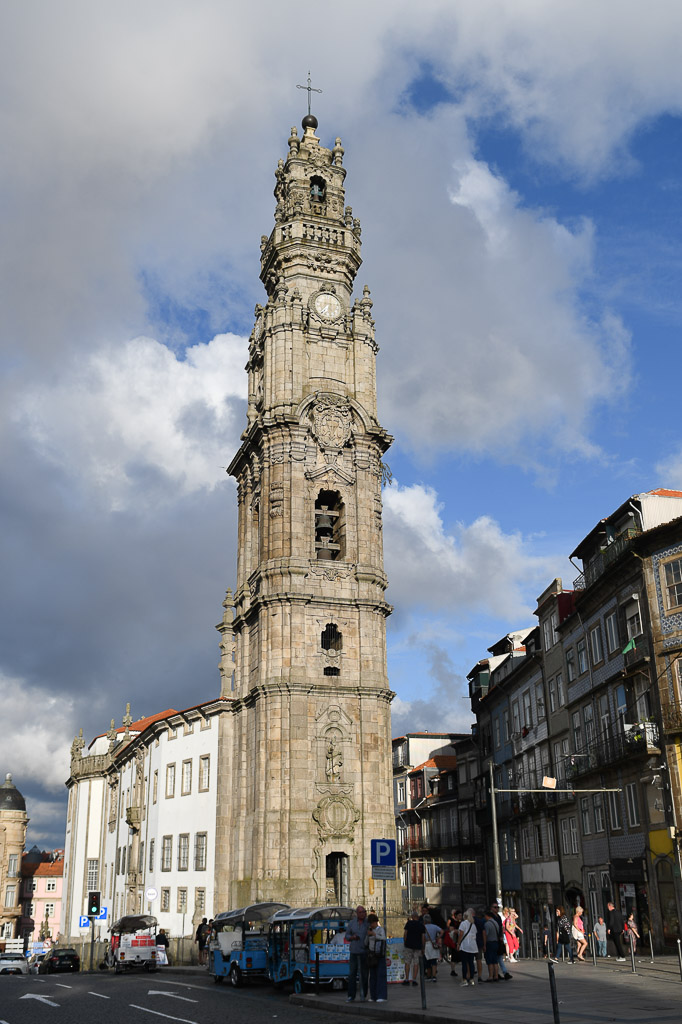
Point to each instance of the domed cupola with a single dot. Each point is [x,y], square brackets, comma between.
[10,797]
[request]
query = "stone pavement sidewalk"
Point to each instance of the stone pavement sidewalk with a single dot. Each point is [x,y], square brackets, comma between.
[607,993]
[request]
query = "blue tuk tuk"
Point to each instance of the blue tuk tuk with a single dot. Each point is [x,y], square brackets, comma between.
[301,941]
[238,946]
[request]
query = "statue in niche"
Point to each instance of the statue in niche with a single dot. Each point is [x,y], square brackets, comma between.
[334,763]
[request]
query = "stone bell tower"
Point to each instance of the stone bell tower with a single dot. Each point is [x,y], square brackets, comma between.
[305,779]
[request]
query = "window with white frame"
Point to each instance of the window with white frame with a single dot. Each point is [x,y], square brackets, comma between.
[49,910]
[588,718]
[560,695]
[507,729]
[200,847]
[12,865]
[165,900]
[551,691]
[516,716]
[186,778]
[633,621]
[540,701]
[632,804]
[204,772]
[581,650]
[200,900]
[527,709]
[92,874]
[565,836]
[537,842]
[595,644]
[570,664]
[585,815]
[51,885]
[547,634]
[575,846]
[429,872]
[551,839]
[611,625]
[673,583]
[525,843]
[170,780]
[166,853]
[10,895]
[183,851]
[614,811]
[577,732]
[401,791]
[505,847]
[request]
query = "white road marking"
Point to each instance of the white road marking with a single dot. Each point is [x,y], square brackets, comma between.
[156,1013]
[99,995]
[59,985]
[184,984]
[161,992]
[41,999]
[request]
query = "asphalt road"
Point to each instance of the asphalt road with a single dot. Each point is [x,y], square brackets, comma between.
[106,998]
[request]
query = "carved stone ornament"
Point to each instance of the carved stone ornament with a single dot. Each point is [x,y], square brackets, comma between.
[276,501]
[332,422]
[336,815]
[332,570]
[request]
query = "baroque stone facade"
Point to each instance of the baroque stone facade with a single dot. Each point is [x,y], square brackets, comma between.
[305,780]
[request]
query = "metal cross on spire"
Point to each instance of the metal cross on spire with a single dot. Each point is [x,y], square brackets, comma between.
[308,89]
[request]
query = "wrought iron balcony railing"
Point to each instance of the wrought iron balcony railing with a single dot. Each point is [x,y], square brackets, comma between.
[636,738]
[598,566]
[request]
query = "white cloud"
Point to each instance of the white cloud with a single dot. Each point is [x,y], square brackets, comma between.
[474,568]
[669,470]
[139,406]
[38,727]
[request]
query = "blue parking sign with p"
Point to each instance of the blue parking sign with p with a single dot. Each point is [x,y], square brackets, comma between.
[383,852]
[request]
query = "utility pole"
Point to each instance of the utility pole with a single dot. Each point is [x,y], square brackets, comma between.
[496,848]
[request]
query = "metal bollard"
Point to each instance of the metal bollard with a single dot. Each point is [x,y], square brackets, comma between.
[679,956]
[632,953]
[593,943]
[651,945]
[317,972]
[552,988]
[422,981]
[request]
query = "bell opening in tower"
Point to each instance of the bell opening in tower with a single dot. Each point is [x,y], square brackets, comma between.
[330,526]
[338,889]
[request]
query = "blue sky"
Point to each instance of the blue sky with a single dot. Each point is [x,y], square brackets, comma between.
[516,168]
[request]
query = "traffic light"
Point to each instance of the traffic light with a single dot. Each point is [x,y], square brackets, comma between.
[94,904]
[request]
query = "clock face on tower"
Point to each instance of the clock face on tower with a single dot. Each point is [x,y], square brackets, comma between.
[327,306]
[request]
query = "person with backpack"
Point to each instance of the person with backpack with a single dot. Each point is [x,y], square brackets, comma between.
[563,937]
[376,960]
[201,938]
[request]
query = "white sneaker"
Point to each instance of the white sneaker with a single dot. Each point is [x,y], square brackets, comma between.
[620,959]
[463,984]
[473,983]
[381,1000]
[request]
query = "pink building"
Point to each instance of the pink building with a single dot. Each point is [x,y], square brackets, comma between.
[41,894]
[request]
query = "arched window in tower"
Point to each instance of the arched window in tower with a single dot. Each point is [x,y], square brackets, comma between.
[330,526]
[331,641]
[318,189]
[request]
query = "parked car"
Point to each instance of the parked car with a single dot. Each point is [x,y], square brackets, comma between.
[35,961]
[60,961]
[13,963]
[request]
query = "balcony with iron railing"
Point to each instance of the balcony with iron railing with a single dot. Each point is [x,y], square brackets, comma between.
[637,738]
[606,557]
